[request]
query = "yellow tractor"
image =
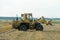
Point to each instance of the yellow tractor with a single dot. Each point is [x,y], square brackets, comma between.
[27,22]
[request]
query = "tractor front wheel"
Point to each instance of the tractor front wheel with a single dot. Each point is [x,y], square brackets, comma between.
[39,27]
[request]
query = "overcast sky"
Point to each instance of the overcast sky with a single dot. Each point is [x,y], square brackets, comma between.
[47,8]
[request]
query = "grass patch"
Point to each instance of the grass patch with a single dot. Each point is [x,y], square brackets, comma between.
[56,21]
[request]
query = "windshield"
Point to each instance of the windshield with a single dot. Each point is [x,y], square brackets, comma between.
[29,17]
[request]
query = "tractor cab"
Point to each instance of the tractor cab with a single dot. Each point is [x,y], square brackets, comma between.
[27,17]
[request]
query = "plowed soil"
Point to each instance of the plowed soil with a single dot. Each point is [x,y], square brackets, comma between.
[49,33]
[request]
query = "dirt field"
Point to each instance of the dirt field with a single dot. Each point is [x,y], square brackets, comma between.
[49,33]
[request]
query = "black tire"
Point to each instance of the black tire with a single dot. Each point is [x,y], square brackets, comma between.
[22,28]
[39,27]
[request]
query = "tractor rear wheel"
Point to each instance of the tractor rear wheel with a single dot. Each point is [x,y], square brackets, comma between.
[22,27]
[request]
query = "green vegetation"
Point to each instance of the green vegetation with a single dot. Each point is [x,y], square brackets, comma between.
[55,21]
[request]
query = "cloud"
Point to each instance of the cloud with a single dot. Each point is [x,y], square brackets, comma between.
[47,8]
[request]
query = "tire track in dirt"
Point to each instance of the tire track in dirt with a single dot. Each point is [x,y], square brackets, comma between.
[49,35]
[32,35]
[52,35]
[35,35]
[25,35]
[8,31]
[38,35]
[10,35]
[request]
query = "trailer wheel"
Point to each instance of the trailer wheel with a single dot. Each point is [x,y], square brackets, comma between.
[22,28]
[39,27]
